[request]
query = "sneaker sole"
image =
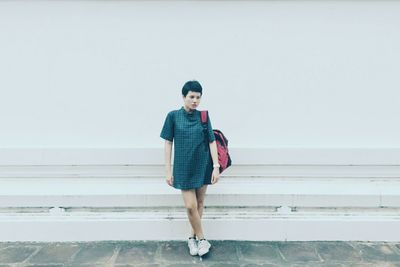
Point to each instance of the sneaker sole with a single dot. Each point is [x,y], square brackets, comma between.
[204,253]
[193,254]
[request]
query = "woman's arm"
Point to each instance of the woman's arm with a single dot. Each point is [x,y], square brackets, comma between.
[214,155]
[214,152]
[167,155]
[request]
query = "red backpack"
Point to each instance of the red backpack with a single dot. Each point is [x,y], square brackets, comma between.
[224,158]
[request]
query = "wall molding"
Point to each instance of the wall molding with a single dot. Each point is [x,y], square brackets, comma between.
[270,156]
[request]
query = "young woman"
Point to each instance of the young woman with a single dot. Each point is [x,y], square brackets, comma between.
[195,160]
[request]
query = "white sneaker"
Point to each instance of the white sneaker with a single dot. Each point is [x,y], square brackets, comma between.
[193,248]
[204,247]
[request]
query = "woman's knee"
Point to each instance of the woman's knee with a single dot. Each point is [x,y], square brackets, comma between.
[200,203]
[191,207]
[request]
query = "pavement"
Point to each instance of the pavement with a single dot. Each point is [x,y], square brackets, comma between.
[222,253]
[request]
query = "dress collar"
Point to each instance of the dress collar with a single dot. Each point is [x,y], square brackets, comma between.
[188,113]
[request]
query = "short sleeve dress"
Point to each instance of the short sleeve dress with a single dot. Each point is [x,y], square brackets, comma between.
[192,167]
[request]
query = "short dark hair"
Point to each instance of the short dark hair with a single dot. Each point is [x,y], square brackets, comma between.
[193,86]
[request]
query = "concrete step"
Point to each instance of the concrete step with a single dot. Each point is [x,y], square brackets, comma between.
[252,202]
[236,171]
[229,223]
[248,191]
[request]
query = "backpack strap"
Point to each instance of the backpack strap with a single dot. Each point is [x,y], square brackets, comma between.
[204,116]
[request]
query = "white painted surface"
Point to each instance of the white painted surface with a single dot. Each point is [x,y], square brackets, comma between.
[104,74]
[306,92]
[231,225]
[304,202]
[240,156]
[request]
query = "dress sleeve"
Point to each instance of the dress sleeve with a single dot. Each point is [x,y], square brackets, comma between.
[167,131]
[211,136]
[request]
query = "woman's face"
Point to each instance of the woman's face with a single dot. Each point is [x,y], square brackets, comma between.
[192,100]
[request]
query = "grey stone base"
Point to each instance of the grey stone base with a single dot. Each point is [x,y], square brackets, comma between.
[176,254]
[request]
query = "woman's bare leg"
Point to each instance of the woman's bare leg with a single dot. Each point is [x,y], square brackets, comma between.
[189,197]
[200,196]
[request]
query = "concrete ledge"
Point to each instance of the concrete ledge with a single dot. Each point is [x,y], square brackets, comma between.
[87,202]
[226,224]
[240,171]
[147,192]
[269,156]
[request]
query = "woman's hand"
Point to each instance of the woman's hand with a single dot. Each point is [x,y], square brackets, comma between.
[215,175]
[169,179]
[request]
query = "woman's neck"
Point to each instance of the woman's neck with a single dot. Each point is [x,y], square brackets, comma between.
[188,109]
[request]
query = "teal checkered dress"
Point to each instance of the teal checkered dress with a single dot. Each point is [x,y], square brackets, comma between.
[193,166]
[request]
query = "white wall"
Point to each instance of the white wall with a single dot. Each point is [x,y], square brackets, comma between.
[103,74]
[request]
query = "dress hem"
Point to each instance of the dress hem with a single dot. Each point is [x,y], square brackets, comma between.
[184,188]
